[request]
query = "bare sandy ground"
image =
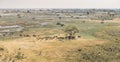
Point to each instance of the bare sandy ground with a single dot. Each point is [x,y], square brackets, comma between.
[116,20]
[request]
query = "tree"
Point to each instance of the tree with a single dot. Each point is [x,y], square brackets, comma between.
[28,11]
[18,15]
[33,18]
[0,16]
[58,23]
[88,13]
[61,24]
[60,17]
[71,31]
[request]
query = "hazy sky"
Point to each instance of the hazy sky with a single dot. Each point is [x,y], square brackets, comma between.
[59,3]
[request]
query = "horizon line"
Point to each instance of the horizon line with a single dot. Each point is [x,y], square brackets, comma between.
[59,8]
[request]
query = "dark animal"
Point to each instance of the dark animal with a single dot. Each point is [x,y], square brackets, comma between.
[79,36]
[26,35]
[70,37]
[34,35]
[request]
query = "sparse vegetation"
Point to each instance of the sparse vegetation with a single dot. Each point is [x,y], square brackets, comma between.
[91,39]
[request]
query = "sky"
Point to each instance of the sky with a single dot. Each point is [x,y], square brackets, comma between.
[59,3]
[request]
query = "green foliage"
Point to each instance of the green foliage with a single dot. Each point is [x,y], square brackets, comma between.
[71,30]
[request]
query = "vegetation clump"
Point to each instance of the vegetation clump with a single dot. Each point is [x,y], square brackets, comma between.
[71,31]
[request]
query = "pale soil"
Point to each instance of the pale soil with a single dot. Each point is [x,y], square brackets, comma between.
[116,20]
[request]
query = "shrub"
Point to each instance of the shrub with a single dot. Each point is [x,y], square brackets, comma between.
[19,56]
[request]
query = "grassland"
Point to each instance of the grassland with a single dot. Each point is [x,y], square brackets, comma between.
[98,42]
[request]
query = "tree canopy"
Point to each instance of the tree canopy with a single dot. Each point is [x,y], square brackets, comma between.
[71,30]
